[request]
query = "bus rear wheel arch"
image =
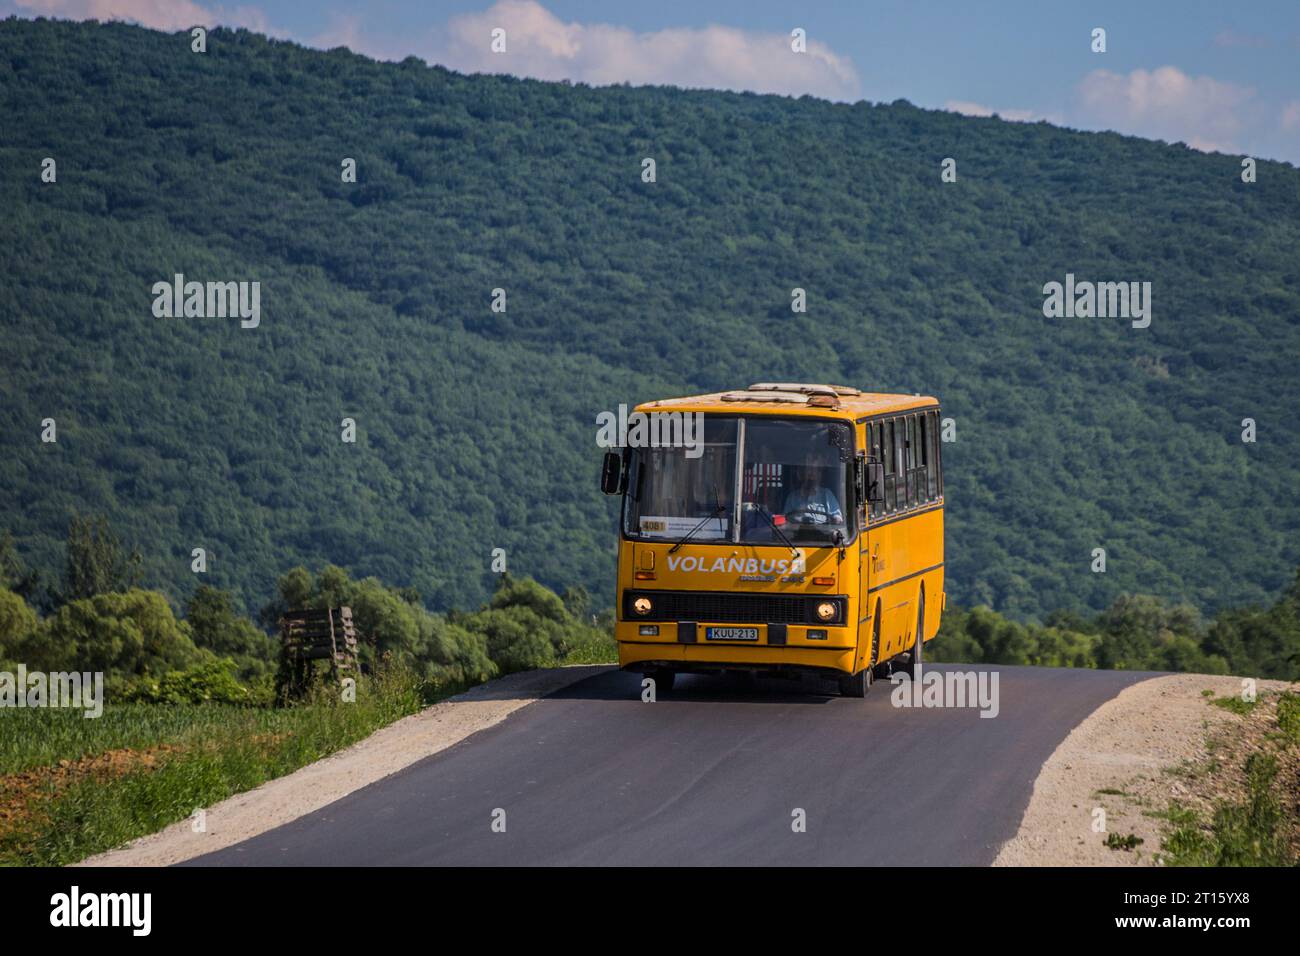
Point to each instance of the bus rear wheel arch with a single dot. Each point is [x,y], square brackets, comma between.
[915,656]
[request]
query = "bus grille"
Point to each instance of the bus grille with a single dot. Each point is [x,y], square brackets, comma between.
[730,608]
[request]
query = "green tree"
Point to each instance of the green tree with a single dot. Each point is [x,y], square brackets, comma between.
[17,623]
[215,626]
[127,634]
[1134,626]
[96,562]
[577,601]
[517,637]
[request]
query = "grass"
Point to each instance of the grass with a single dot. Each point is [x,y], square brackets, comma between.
[1288,716]
[1176,814]
[71,787]
[1127,843]
[1251,830]
[599,650]
[1235,704]
[1240,834]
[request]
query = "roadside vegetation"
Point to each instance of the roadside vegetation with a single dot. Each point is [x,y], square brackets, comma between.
[71,787]
[1245,803]
[190,715]
[1136,632]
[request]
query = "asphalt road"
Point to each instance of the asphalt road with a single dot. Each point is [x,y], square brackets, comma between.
[710,774]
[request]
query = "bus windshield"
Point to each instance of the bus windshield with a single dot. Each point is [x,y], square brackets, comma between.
[792,475]
[795,482]
[670,494]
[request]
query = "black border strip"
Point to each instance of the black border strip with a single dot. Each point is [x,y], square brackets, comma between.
[905,577]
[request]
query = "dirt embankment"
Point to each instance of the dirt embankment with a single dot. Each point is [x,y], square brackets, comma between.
[1159,742]
[317,785]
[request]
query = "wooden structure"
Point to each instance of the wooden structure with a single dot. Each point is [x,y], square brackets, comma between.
[310,635]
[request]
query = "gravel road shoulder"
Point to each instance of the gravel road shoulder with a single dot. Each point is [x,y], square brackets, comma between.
[1125,759]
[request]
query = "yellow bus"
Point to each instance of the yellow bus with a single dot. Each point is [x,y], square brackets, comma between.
[801,535]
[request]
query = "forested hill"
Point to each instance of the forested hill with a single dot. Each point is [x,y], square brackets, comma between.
[476,430]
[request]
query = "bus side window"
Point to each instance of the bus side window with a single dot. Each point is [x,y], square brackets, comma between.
[900,454]
[931,459]
[913,463]
[923,458]
[891,476]
[874,452]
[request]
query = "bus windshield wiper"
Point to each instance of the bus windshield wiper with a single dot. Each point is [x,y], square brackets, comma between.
[794,552]
[718,512]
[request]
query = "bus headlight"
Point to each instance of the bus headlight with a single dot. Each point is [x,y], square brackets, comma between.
[826,611]
[642,606]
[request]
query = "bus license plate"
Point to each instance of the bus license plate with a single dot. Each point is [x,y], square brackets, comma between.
[731,633]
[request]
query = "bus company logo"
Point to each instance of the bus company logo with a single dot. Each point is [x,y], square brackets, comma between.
[1100,300]
[63,690]
[655,430]
[742,566]
[179,299]
[74,908]
[953,689]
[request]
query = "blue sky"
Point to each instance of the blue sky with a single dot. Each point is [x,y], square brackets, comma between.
[1215,75]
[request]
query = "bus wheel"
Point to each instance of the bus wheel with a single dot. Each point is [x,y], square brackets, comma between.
[663,680]
[856,685]
[914,663]
[881,670]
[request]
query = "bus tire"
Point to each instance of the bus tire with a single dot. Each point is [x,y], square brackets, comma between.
[856,685]
[880,670]
[916,655]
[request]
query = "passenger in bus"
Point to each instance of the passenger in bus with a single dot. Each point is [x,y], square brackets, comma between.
[810,501]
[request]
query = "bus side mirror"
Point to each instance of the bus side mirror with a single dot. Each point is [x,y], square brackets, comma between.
[611,474]
[875,482]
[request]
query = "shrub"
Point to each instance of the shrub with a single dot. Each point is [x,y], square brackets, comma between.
[212,681]
[517,638]
[17,622]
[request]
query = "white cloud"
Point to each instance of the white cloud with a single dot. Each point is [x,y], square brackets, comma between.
[1210,146]
[541,45]
[1168,104]
[169,15]
[967,108]
[1233,38]
[1291,116]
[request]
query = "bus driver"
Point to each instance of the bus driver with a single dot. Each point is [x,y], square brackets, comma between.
[810,501]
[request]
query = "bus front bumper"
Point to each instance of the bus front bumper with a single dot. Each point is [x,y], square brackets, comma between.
[687,647]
